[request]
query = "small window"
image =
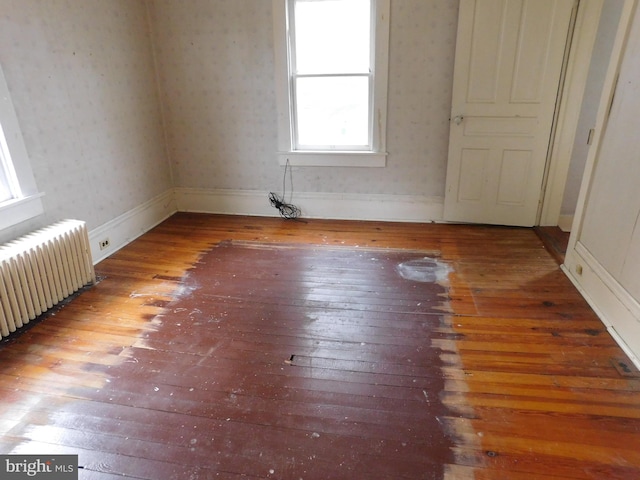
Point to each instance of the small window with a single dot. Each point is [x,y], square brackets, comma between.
[19,198]
[9,186]
[5,189]
[332,60]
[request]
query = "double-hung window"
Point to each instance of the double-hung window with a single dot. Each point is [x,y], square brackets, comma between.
[332,62]
[19,197]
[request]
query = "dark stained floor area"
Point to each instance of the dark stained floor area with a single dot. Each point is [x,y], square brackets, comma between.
[554,240]
[239,347]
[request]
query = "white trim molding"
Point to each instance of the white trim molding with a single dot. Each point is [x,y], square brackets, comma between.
[19,210]
[339,206]
[376,156]
[130,225]
[615,306]
[577,71]
[332,159]
[27,201]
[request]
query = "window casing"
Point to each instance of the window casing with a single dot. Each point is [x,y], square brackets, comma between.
[331,81]
[19,197]
[9,187]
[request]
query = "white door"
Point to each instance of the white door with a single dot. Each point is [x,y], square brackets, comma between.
[509,56]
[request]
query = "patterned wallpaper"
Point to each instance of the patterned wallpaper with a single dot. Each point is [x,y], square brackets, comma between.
[82,79]
[216,68]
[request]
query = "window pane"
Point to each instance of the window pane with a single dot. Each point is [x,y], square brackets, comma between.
[5,189]
[5,192]
[332,36]
[333,111]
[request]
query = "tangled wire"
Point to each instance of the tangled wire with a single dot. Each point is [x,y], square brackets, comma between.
[287,210]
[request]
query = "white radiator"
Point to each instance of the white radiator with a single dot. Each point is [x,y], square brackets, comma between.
[39,270]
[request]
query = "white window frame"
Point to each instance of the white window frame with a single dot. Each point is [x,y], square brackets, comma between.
[287,152]
[27,202]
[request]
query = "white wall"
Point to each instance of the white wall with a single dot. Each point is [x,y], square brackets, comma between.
[82,79]
[216,67]
[607,28]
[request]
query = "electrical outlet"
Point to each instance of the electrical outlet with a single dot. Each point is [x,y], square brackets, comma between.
[104,243]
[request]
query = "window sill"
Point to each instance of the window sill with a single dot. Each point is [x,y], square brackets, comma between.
[333,159]
[19,210]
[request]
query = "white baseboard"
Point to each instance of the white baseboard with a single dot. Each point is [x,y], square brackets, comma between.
[565,222]
[614,305]
[130,225]
[127,227]
[400,208]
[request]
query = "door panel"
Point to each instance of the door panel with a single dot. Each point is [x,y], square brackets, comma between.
[533,51]
[483,66]
[509,57]
[473,165]
[514,174]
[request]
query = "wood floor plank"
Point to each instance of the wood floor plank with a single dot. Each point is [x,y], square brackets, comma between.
[237,347]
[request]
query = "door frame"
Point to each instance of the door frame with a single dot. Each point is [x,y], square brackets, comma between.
[571,90]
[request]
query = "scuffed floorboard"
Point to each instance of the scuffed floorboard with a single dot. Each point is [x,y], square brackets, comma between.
[238,347]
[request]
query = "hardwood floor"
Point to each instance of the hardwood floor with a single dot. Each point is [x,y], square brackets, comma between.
[555,241]
[241,347]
